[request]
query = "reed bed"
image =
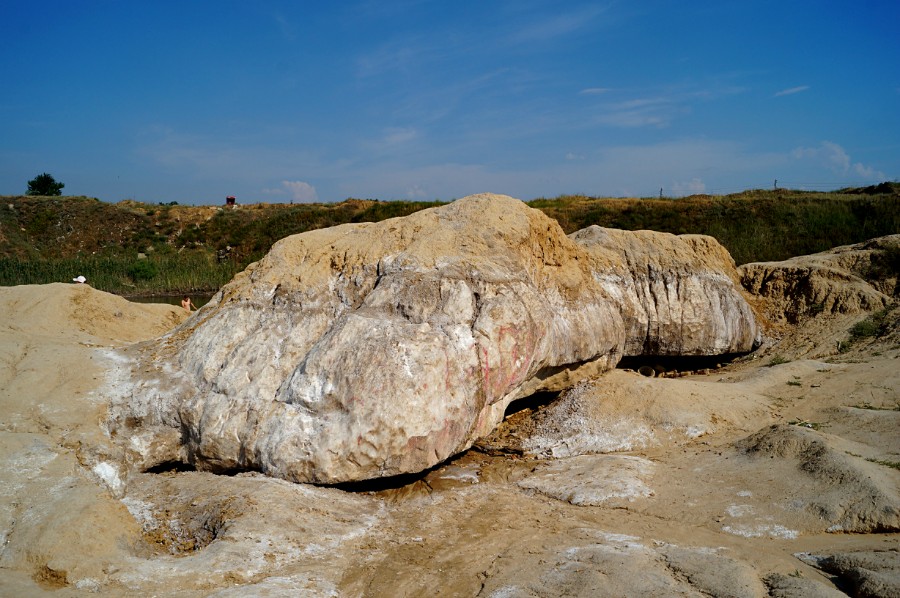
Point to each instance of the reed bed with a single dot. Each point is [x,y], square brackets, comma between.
[163,274]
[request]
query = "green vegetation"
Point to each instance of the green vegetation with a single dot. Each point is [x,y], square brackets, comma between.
[886,463]
[44,184]
[777,360]
[874,325]
[137,248]
[754,225]
[124,275]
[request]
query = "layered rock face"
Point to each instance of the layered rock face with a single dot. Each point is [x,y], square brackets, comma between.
[372,350]
[844,280]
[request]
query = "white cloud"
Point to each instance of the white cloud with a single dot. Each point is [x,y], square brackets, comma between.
[301,191]
[791,90]
[594,91]
[835,158]
[695,185]
[868,173]
[574,156]
[416,192]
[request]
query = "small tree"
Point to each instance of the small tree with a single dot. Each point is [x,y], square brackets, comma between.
[44,184]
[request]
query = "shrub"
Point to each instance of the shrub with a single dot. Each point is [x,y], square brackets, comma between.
[874,325]
[143,270]
[44,184]
[777,360]
[863,329]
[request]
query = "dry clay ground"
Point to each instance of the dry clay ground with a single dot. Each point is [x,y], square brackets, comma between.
[750,480]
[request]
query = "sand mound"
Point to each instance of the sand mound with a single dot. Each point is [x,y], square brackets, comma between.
[68,310]
[846,491]
[867,574]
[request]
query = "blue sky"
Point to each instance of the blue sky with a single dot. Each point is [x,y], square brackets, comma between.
[272,101]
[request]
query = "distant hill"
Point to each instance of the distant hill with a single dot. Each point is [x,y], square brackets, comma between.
[135,247]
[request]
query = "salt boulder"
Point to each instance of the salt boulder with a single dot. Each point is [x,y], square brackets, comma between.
[678,295]
[370,350]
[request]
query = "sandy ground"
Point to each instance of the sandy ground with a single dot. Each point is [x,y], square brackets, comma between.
[750,480]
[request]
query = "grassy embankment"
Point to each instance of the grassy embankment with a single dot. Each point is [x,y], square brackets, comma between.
[754,226]
[137,249]
[141,249]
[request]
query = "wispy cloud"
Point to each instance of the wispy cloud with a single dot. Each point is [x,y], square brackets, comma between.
[640,112]
[390,139]
[394,55]
[546,29]
[398,135]
[285,27]
[227,161]
[594,91]
[657,109]
[791,91]
[681,167]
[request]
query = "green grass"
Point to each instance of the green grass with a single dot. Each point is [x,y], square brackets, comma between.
[754,225]
[53,239]
[777,360]
[190,272]
[886,463]
[874,325]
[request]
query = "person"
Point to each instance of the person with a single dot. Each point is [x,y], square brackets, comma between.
[187,303]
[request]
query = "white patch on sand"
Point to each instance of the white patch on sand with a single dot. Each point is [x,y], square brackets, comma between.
[695,431]
[592,436]
[760,530]
[505,592]
[109,475]
[459,473]
[739,510]
[590,480]
[142,513]
[296,586]
[621,540]
[26,464]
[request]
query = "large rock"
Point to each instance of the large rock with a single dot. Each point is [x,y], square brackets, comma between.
[371,350]
[677,294]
